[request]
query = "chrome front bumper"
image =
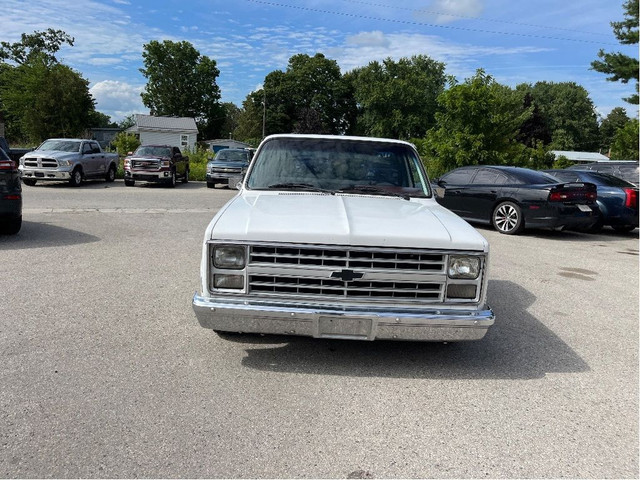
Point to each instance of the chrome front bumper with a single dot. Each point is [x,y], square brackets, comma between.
[426,324]
[46,173]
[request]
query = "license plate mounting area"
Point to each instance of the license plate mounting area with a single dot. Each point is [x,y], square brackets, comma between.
[345,328]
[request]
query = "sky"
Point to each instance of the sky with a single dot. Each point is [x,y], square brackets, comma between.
[513,41]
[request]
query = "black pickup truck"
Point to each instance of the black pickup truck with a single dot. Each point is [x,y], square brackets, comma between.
[156,163]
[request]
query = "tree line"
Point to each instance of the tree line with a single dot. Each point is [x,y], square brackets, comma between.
[453,123]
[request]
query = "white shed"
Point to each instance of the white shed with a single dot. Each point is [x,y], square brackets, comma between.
[175,131]
[580,157]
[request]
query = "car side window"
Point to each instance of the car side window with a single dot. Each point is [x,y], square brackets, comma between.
[176,152]
[486,177]
[502,179]
[86,148]
[458,177]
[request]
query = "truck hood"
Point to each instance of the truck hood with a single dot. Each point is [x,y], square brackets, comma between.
[57,154]
[362,220]
[228,164]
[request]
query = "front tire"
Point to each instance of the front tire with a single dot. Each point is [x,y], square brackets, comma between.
[29,181]
[185,179]
[172,181]
[507,218]
[76,178]
[129,183]
[211,185]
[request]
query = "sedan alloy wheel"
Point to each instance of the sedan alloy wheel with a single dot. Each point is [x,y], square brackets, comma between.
[507,218]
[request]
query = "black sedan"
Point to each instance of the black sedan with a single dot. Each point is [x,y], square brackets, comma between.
[617,198]
[512,198]
[10,195]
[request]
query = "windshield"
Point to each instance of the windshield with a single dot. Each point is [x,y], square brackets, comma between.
[149,151]
[61,145]
[337,165]
[232,156]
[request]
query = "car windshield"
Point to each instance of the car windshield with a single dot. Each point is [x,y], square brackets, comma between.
[61,145]
[150,151]
[232,156]
[338,166]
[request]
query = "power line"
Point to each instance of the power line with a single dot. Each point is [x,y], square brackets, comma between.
[422,24]
[469,17]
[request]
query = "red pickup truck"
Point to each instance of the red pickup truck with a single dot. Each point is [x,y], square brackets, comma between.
[156,163]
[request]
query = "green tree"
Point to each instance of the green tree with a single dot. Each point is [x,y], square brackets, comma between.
[250,117]
[568,113]
[397,99]
[613,122]
[128,121]
[311,96]
[44,101]
[477,123]
[619,66]
[100,120]
[181,82]
[39,97]
[625,142]
[231,118]
[125,143]
[37,46]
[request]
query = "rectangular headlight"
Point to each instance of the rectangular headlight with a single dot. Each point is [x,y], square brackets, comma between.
[461,291]
[464,266]
[229,256]
[228,281]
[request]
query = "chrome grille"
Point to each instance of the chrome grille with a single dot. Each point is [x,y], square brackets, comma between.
[363,259]
[225,170]
[40,163]
[145,164]
[319,272]
[357,289]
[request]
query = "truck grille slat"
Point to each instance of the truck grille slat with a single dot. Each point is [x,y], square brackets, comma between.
[373,289]
[347,259]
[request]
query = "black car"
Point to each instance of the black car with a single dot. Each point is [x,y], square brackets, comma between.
[10,195]
[513,198]
[626,170]
[228,167]
[617,199]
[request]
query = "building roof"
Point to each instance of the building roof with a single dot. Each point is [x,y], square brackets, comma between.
[163,124]
[581,156]
[227,142]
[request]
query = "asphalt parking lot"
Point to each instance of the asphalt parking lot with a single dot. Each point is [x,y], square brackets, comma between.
[105,371]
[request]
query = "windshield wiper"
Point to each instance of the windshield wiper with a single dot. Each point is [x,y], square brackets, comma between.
[373,190]
[299,186]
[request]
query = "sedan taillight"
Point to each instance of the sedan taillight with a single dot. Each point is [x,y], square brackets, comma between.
[580,194]
[631,197]
[7,165]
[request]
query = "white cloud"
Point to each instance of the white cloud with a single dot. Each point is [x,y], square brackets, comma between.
[447,11]
[118,99]
[372,39]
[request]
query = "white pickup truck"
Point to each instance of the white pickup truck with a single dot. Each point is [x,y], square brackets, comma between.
[341,237]
[68,159]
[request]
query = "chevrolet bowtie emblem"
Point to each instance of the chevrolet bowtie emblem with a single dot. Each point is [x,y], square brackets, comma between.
[347,275]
